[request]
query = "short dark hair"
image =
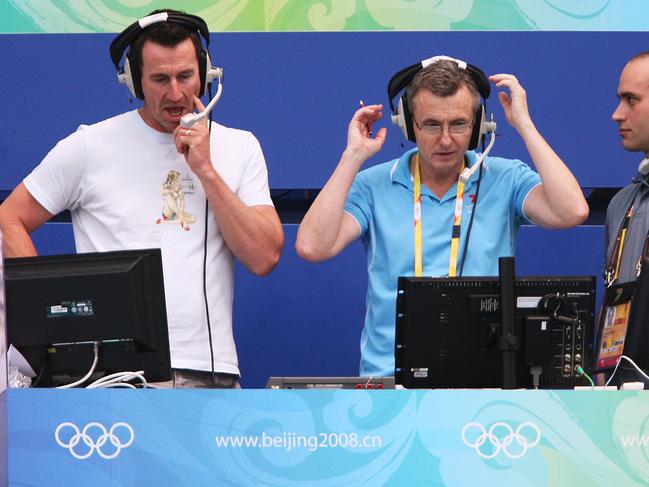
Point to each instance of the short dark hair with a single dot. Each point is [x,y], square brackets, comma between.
[442,78]
[168,34]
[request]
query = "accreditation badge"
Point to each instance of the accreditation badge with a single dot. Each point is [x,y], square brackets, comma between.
[614,323]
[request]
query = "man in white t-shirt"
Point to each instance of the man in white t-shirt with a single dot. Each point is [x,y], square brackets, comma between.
[140,180]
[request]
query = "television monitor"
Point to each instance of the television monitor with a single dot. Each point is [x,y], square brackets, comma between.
[59,306]
[448,331]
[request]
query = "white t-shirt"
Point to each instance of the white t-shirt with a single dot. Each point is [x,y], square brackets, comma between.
[127,188]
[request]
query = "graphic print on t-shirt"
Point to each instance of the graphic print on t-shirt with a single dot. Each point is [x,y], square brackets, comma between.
[173,202]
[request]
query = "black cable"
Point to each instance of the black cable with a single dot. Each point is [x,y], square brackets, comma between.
[207,306]
[468,230]
[42,369]
[205,299]
[475,203]
[544,307]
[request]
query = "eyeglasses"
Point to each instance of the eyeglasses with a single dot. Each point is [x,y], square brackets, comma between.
[433,128]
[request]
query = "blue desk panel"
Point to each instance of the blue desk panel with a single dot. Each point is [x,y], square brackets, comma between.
[328,438]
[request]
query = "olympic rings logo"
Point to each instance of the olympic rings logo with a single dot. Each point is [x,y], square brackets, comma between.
[501,436]
[94,437]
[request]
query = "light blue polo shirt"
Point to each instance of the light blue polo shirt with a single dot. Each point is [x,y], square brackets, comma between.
[381,201]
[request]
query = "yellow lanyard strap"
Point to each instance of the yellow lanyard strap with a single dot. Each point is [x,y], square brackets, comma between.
[417,212]
[613,268]
[457,221]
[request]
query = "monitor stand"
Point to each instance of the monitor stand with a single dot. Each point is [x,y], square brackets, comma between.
[509,342]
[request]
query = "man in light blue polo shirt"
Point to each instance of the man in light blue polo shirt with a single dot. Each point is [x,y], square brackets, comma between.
[415,215]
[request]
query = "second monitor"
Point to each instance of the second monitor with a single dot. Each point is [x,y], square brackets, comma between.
[448,331]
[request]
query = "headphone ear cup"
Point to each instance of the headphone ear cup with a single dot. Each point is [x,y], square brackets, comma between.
[399,119]
[204,64]
[131,78]
[480,79]
[478,127]
[407,129]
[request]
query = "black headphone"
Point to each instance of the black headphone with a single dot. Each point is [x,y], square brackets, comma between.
[129,73]
[402,116]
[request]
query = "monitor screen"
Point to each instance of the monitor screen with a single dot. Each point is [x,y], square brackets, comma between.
[58,306]
[448,331]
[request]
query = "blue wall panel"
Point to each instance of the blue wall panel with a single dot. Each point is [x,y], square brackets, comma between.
[305,319]
[54,238]
[297,91]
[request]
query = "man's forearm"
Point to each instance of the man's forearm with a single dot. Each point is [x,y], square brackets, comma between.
[21,214]
[16,241]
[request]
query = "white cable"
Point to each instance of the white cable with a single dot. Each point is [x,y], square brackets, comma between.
[90,372]
[467,172]
[120,375]
[118,378]
[124,377]
[631,362]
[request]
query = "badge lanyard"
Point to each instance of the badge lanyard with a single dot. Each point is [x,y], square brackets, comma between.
[457,221]
[617,307]
[613,267]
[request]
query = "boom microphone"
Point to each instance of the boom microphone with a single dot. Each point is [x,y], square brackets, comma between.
[490,126]
[189,119]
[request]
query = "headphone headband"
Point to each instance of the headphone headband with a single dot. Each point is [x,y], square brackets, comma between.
[129,72]
[400,80]
[128,35]
[403,78]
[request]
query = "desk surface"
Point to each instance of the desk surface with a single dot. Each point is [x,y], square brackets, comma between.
[289,437]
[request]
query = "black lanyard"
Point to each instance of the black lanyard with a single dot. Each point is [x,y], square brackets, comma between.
[613,266]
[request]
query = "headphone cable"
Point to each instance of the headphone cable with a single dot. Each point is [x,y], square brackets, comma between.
[468,231]
[205,298]
[475,208]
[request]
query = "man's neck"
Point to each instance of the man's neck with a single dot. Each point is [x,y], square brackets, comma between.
[151,122]
[438,182]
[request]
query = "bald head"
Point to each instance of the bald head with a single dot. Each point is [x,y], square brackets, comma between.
[632,112]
